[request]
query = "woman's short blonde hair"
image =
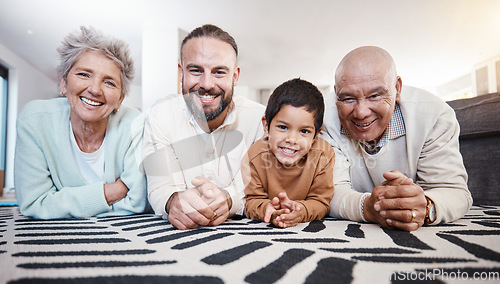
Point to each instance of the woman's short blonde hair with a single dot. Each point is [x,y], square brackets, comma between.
[90,39]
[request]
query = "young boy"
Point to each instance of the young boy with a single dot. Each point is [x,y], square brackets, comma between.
[288,174]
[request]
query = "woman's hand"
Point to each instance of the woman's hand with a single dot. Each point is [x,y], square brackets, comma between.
[115,191]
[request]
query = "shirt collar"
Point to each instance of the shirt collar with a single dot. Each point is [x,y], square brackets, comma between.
[395,129]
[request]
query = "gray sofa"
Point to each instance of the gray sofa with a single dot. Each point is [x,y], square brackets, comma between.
[479,120]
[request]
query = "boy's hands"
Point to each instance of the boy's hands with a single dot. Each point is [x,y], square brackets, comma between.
[271,208]
[283,212]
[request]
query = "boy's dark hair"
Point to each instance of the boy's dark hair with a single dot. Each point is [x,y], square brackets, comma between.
[210,31]
[297,93]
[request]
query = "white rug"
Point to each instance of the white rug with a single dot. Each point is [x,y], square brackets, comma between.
[146,249]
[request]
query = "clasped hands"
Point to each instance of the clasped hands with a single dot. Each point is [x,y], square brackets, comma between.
[396,203]
[283,212]
[205,204]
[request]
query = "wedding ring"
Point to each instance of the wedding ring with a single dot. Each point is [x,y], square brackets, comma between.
[413,215]
[215,216]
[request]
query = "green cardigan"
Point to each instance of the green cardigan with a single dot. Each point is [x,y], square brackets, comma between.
[47,180]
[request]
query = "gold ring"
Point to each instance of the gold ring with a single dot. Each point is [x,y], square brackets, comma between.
[215,216]
[413,215]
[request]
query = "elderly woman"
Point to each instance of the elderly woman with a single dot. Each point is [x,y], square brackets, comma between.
[79,156]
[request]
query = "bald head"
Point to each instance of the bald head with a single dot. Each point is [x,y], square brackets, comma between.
[367,89]
[366,62]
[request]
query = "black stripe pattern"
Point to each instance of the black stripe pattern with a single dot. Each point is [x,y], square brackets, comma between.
[147,249]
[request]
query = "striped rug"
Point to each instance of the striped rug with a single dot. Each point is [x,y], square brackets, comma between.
[147,249]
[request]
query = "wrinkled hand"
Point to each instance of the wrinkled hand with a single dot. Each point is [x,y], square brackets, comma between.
[203,205]
[391,203]
[115,191]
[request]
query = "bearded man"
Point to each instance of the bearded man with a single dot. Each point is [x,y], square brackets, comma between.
[194,142]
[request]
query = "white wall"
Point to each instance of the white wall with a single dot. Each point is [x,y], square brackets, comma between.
[247,92]
[134,97]
[25,84]
[160,49]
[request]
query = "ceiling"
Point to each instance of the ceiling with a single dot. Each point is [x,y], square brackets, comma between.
[432,41]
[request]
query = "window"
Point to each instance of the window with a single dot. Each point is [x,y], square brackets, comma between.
[3,121]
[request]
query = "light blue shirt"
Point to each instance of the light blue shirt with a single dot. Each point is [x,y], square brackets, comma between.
[47,179]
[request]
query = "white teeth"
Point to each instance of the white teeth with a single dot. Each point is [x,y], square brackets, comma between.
[89,102]
[288,151]
[207,97]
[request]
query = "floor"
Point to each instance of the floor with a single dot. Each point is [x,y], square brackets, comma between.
[8,197]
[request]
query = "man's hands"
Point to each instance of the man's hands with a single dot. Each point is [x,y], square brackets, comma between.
[394,202]
[203,205]
[283,212]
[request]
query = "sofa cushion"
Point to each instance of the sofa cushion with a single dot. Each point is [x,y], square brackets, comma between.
[479,120]
[479,116]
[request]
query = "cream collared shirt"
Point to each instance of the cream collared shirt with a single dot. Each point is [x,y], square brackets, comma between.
[176,150]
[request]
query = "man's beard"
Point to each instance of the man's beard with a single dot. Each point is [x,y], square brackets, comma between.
[205,114]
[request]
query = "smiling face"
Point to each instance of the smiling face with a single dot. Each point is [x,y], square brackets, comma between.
[290,134]
[208,73]
[367,90]
[93,88]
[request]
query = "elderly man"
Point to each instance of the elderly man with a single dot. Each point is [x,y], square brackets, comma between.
[397,154]
[194,142]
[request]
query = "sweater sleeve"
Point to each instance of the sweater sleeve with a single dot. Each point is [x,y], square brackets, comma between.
[161,165]
[346,202]
[236,188]
[36,192]
[133,174]
[320,193]
[256,196]
[440,170]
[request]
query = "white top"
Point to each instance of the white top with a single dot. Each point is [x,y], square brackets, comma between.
[428,153]
[176,151]
[91,165]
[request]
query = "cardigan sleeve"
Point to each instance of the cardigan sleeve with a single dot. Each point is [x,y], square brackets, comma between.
[36,192]
[441,172]
[133,173]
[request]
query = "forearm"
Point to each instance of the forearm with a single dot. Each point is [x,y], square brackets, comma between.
[236,193]
[133,179]
[255,209]
[136,199]
[346,203]
[41,188]
[441,172]
[69,202]
[159,192]
[451,204]
[313,210]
